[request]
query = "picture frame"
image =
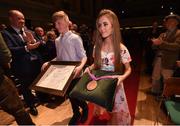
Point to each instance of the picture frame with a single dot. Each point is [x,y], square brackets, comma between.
[56,78]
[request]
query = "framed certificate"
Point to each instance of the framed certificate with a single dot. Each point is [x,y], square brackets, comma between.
[56,78]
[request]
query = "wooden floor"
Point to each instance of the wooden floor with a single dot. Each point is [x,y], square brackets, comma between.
[146,109]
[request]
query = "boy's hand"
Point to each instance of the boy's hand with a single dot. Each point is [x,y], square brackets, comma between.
[44,66]
[77,72]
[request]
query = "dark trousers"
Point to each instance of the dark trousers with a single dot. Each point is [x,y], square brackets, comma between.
[149,57]
[177,72]
[26,76]
[11,103]
[76,103]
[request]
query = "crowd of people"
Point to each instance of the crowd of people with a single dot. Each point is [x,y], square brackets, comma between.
[27,51]
[24,53]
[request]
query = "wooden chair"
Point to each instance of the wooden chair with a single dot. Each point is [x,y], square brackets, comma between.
[171,87]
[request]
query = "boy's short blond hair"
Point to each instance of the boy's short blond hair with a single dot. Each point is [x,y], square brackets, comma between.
[60,15]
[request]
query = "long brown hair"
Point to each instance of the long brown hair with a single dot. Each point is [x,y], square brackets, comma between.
[116,40]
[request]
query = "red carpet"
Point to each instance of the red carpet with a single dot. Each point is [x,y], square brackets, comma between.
[131,85]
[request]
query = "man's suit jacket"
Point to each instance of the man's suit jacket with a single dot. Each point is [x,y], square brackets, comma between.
[21,59]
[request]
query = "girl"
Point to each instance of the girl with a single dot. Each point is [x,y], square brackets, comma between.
[111,55]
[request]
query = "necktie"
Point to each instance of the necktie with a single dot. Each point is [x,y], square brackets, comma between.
[22,34]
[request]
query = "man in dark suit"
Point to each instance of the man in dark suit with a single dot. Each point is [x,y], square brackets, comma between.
[25,59]
[9,99]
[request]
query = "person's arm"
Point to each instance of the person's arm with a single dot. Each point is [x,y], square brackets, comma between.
[170,46]
[79,68]
[16,50]
[81,53]
[126,59]
[83,62]
[91,67]
[127,72]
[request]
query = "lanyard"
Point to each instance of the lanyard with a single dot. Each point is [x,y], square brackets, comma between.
[93,77]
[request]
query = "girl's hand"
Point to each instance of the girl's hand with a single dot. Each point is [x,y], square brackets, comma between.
[119,77]
[120,80]
[86,70]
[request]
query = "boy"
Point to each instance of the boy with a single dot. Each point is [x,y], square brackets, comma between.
[69,47]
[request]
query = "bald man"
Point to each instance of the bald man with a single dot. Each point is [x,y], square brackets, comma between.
[26,61]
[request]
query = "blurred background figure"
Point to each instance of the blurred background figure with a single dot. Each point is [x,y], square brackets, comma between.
[151,49]
[87,43]
[169,50]
[40,36]
[2,27]
[50,45]
[73,27]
